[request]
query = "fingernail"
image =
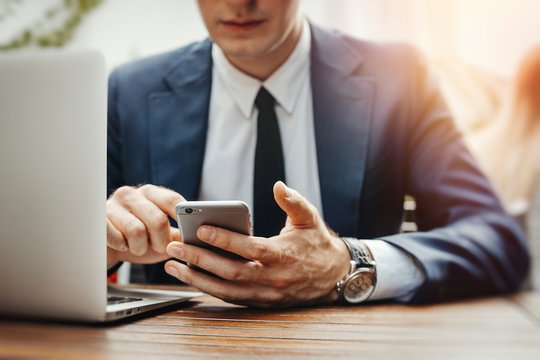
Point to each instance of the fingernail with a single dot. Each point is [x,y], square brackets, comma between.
[171,270]
[176,252]
[288,190]
[207,234]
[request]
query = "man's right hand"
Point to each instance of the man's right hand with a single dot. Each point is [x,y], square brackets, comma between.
[138,229]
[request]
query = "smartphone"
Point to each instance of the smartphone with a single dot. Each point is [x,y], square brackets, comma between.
[230,215]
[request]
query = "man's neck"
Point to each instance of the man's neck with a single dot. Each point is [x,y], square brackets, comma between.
[262,67]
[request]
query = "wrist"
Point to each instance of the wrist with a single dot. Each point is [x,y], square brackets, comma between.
[112,257]
[342,267]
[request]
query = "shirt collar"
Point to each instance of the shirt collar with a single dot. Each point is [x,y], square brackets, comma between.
[284,84]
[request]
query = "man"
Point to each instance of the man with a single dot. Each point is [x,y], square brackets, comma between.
[353,126]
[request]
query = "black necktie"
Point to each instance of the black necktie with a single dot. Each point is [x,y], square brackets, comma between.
[268,218]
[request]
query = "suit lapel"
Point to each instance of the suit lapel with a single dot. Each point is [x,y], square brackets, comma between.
[179,120]
[342,103]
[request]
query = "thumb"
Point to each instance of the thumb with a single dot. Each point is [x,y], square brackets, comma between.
[301,213]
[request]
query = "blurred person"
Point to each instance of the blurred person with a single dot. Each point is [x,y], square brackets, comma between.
[508,150]
[352,126]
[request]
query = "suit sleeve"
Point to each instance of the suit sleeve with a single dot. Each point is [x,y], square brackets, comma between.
[114,143]
[467,245]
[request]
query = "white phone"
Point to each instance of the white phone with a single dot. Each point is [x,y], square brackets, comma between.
[230,215]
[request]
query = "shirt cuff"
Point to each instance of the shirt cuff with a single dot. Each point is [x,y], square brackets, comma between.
[398,275]
[113,268]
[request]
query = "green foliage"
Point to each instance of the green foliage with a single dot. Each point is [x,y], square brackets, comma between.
[76,10]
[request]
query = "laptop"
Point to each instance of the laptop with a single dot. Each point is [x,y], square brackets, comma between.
[53,144]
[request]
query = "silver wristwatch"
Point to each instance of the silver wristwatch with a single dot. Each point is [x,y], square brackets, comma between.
[359,283]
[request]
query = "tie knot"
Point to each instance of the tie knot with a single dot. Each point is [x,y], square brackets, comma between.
[264,100]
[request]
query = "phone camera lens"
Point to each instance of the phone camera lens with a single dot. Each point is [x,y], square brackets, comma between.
[189,210]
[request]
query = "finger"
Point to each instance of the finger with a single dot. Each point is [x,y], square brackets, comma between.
[174,234]
[154,219]
[149,257]
[164,198]
[131,227]
[249,247]
[224,267]
[223,289]
[300,212]
[115,239]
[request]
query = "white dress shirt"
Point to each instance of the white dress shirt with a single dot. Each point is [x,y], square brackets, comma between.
[229,157]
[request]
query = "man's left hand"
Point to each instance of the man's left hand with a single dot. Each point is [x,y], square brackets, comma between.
[299,266]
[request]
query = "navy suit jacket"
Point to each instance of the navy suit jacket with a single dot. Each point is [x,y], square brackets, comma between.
[382,131]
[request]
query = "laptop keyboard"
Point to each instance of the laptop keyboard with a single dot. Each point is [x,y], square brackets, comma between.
[111,300]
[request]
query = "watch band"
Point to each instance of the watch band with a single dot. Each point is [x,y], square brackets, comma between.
[359,252]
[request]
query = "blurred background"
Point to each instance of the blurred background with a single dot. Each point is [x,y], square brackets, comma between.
[475,48]
[474,45]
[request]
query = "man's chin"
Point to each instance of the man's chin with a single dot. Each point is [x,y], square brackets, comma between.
[243,49]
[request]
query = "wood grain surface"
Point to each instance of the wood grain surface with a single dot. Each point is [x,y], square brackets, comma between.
[492,328]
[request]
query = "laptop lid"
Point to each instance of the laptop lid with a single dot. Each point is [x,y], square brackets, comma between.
[53,185]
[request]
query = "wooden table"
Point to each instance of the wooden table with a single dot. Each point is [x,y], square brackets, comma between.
[493,328]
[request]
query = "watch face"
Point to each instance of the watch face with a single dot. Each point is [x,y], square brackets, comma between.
[358,287]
